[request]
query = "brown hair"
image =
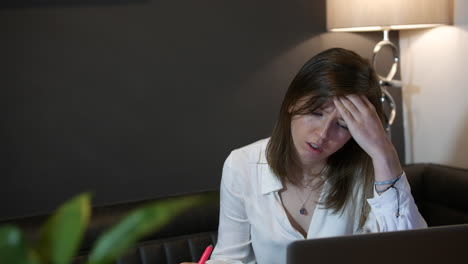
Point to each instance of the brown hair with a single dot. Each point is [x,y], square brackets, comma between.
[333,72]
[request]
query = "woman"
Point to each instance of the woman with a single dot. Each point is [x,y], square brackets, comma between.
[328,169]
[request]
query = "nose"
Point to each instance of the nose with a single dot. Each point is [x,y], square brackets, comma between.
[325,128]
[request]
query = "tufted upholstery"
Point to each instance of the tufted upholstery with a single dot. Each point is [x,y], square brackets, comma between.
[440,192]
[184,239]
[166,251]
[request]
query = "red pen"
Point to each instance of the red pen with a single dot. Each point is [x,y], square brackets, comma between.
[206,254]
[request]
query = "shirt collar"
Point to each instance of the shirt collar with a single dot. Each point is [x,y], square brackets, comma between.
[269,181]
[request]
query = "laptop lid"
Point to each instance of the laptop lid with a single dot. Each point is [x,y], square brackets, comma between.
[445,244]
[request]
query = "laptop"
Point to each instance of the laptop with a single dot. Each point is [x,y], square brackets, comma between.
[444,244]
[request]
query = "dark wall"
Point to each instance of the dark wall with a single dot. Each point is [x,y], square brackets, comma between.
[136,101]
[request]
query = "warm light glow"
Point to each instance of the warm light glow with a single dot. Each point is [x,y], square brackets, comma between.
[381,28]
[378,15]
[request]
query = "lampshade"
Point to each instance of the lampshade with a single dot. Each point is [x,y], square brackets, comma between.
[377,15]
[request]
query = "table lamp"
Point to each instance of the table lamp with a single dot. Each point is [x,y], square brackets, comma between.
[386,15]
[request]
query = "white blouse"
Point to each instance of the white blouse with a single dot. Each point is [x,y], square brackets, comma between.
[254,227]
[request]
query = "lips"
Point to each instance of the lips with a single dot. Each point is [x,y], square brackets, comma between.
[315,147]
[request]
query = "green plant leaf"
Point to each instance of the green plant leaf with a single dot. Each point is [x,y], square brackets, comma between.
[60,236]
[140,222]
[13,248]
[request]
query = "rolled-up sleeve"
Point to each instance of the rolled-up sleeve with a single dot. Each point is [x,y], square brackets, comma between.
[234,243]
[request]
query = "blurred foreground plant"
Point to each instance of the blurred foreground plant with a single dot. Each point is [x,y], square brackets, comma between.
[61,235]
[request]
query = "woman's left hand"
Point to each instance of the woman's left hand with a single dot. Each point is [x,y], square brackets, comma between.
[366,128]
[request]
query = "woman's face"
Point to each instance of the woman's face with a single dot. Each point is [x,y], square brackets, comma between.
[318,134]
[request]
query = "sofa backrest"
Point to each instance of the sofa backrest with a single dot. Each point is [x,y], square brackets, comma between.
[183,239]
[440,192]
[173,250]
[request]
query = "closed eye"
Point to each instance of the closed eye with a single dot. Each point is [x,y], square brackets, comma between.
[316,113]
[342,126]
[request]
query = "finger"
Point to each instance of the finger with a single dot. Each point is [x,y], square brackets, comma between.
[358,103]
[347,116]
[350,107]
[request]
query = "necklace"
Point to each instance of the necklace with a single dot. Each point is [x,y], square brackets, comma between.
[303,211]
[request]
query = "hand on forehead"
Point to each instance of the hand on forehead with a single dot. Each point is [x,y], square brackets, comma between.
[330,108]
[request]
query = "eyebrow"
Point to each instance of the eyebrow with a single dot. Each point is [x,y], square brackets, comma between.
[323,109]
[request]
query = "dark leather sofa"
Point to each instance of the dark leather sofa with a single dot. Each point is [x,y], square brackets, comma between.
[440,192]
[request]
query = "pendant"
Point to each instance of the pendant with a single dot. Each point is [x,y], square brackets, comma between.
[303,211]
